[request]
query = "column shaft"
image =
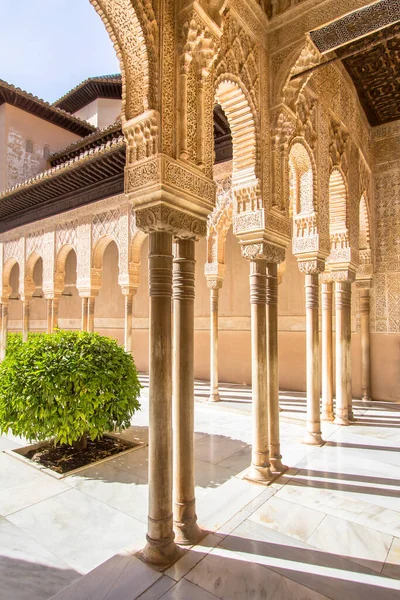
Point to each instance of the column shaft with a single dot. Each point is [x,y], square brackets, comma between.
[214,296]
[260,465]
[272,368]
[49,303]
[128,322]
[365,344]
[84,314]
[54,316]
[313,435]
[160,548]
[327,352]
[343,336]
[25,319]
[187,530]
[90,315]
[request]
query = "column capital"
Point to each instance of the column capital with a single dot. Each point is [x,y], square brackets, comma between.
[129,290]
[342,275]
[170,220]
[263,251]
[312,266]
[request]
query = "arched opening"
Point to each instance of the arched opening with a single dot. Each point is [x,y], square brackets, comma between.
[240,116]
[338,225]
[70,303]
[15,303]
[109,304]
[37,309]
[301,181]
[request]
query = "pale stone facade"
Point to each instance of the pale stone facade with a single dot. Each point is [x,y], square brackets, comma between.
[312,198]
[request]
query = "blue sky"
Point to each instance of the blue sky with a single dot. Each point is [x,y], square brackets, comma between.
[49,46]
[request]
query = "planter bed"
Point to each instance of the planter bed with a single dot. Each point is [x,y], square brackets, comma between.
[61,461]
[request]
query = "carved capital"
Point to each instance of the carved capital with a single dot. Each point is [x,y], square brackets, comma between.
[312,266]
[263,251]
[343,275]
[164,218]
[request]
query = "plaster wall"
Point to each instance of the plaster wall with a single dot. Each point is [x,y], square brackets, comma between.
[21,126]
[101,113]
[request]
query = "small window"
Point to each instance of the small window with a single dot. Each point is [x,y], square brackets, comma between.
[46,152]
[29,146]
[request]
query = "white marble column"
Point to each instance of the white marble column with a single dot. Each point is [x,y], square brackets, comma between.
[90,315]
[49,317]
[4,331]
[313,433]
[365,344]
[160,549]
[84,325]
[214,285]
[260,464]
[272,369]
[327,352]
[128,321]
[186,528]
[25,318]
[343,338]
[54,316]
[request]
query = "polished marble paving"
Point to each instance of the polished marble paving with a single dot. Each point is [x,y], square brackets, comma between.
[327,528]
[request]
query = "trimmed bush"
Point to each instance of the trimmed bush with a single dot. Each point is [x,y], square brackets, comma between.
[66,385]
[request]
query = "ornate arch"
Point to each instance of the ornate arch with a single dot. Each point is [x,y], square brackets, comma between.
[133,29]
[29,285]
[338,209]
[237,106]
[61,260]
[303,173]
[7,268]
[299,60]
[135,255]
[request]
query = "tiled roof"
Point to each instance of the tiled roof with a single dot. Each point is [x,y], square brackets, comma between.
[103,86]
[28,102]
[90,141]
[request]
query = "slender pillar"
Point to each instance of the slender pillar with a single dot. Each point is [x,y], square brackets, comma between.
[25,319]
[49,305]
[365,345]
[186,528]
[160,549]
[313,434]
[54,316]
[128,322]
[4,331]
[327,351]
[84,326]
[90,315]
[343,337]
[214,286]
[272,368]
[260,465]
[349,369]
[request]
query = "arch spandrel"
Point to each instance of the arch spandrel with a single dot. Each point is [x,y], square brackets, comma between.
[133,30]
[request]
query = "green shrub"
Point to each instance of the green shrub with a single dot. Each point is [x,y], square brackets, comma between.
[66,385]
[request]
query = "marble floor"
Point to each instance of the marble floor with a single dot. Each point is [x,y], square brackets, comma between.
[328,528]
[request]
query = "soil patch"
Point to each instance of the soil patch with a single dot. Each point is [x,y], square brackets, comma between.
[63,458]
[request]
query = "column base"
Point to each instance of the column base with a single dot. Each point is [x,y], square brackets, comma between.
[259,474]
[339,420]
[277,465]
[188,534]
[366,398]
[327,416]
[313,439]
[160,554]
[351,416]
[214,398]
